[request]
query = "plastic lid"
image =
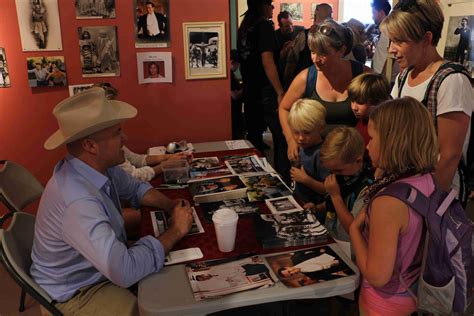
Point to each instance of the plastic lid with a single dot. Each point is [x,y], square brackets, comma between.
[225,216]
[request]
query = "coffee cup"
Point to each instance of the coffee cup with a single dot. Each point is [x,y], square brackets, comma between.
[225,223]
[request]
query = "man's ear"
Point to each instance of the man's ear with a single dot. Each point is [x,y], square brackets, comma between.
[89,145]
[360,160]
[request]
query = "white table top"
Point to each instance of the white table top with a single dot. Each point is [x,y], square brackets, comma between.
[168,293]
[222,145]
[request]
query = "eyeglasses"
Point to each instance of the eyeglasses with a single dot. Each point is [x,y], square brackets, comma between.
[406,5]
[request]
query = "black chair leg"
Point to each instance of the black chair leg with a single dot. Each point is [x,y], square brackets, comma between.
[22,301]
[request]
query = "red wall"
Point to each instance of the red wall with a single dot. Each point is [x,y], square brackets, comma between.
[196,110]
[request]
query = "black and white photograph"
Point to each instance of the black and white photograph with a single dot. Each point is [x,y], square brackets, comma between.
[154,67]
[284,204]
[4,76]
[40,29]
[245,165]
[460,41]
[98,47]
[95,9]
[75,89]
[204,50]
[309,266]
[152,24]
[160,220]
[46,71]
[295,9]
[289,229]
[240,206]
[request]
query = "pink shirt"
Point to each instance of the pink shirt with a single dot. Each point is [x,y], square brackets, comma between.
[408,259]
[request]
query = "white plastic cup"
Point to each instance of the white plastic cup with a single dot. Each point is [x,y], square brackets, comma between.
[225,222]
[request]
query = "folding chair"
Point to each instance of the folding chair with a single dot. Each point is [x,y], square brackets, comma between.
[18,187]
[15,253]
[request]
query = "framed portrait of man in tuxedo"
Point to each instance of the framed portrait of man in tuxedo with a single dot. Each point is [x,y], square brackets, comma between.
[152,27]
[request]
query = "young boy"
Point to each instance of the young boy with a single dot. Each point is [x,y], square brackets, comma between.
[342,153]
[307,121]
[366,91]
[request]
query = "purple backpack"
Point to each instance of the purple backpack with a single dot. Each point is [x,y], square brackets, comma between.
[445,280]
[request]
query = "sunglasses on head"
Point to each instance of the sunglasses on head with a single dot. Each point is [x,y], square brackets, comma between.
[329,31]
[406,5]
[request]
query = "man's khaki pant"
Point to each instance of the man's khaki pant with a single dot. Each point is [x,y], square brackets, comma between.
[103,299]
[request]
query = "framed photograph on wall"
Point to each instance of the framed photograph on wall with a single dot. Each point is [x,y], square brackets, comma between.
[152,24]
[39,25]
[75,89]
[154,67]
[204,50]
[46,71]
[95,9]
[460,41]
[295,9]
[4,76]
[98,49]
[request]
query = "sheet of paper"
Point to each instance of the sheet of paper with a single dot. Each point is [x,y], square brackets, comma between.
[236,144]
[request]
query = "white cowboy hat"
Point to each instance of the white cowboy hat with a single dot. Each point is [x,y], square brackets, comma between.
[86,113]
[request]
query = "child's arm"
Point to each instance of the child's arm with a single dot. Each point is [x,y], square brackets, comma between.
[376,259]
[299,175]
[343,214]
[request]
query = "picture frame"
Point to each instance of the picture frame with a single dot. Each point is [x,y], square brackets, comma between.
[154,67]
[99,9]
[204,50]
[46,71]
[4,75]
[459,45]
[39,25]
[157,10]
[295,9]
[77,88]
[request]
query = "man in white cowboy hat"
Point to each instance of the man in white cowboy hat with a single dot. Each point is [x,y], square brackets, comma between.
[80,253]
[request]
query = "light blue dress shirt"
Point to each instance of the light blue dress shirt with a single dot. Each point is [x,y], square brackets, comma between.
[79,233]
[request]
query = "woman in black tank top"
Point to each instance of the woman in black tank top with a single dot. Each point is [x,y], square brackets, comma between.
[326,80]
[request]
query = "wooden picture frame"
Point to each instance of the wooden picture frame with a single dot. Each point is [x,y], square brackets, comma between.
[204,50]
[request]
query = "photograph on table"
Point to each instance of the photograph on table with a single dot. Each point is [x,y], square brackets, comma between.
[75,89]
[4,76]
[289,229]
[295,9]
[46,71]
[210,279]
[284,204]
[204,50]
[207,167]
[95,9]
[309,266]
[265,186]
[152,24]
[154,67]
[240,206]
[250,165]
[460,41]
[217,189]
[98,47]
[39,25]
[160,219]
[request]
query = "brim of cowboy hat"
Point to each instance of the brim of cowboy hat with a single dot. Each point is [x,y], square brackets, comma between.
[123,112]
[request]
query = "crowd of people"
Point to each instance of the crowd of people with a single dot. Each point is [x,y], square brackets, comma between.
[338,133]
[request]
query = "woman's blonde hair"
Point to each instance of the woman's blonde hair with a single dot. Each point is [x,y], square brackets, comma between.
[307,115]
[369,88]
[344,144]
[330,34]
[411,19]
[407,137]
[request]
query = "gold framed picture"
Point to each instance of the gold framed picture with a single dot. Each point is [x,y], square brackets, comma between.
[204,50]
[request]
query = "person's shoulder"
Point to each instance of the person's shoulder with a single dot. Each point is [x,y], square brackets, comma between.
[298,28]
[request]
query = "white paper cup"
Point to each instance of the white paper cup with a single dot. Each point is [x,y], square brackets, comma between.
[225,222]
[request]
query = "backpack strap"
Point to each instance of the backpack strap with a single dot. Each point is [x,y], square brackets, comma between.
[310,81]
[430,99]
[402,78]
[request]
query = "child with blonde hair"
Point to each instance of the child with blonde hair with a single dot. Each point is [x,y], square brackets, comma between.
[386,235]
[365,92]
[342,153]
[307,121]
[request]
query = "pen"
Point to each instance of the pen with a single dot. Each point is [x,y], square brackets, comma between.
[172,186]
